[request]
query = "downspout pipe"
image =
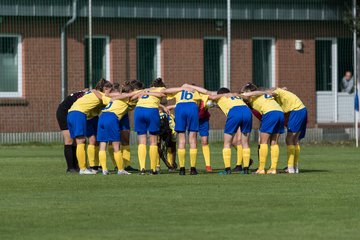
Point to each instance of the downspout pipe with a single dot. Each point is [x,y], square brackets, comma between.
[64,82]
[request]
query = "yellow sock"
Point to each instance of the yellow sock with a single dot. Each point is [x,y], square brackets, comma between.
[157,159]
[246,157]
[97,149]
[153,152]
[290,155]
[227,157]
[142,155]
[170,158]
[239,155]
[119,160]
[80,155]
[126,155]
[263,152]
[274,150]
[297,155]
[206,153]
[111,153]
[102,159]
[181,155]
[91,155]
[193,156]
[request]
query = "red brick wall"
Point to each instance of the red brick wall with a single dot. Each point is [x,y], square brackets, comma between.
[182,59]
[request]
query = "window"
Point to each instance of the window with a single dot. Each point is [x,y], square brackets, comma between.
[215,63]
[10,66]
[100,60]
[345,58]
[148,59]
[264,62]
[323,53]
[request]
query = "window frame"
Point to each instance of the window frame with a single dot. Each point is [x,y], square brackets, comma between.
[107,52]
[158,53]
[19,92]
[273,81]
[224,81]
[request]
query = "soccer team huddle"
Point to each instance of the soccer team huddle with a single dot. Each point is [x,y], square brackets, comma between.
[101,116]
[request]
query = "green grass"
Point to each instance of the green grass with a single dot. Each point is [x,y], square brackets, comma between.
[39,201]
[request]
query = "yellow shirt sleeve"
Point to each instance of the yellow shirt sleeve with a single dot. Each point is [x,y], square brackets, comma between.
[106,100]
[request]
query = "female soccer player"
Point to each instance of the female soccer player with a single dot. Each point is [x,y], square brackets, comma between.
[61,116]
[186,119]
[109,128]
[272,124]
[147,119]
[84,108]
[296,127]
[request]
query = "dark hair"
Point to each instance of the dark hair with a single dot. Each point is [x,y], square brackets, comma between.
[135,84]
[126,89]
[223,90]
[115,87]
[103,83]
[158,83]
[164,101]
[249,87]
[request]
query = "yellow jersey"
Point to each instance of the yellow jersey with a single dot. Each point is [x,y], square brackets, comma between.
[118,107]
[227,103]
[148,101]
[288,101]
[185,97]
[86,103]
[264,104]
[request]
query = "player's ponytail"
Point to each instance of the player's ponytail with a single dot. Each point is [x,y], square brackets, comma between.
[158,83]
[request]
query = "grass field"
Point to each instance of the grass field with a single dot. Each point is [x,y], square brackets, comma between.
[39,201]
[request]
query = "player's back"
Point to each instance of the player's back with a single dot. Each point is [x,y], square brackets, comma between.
[118,107]
[264,104]
[288,100]
[86,103]
[148,101]
[227,103]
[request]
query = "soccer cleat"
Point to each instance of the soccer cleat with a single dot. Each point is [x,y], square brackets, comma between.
[153,172]
[296,169]
[271,171]
[171,170]
[86,172]
[260,172]
[143,172]
[208,169]
[72,170]
[226,171]
[105,172]
[131,169]
[123,172]
[245,170]
[237,168]
[182,171]
[158,168]
[193,171]
[291,170]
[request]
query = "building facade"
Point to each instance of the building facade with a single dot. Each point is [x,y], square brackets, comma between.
[303,45]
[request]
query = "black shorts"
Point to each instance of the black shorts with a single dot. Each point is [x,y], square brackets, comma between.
[61,116]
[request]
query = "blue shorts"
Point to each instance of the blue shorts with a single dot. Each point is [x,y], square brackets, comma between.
[108,128]
[76,122]
[297,122]
[147,120]
[272,122]
[186,117]
[239,116]
[91,126]
[204,127]
[125,122]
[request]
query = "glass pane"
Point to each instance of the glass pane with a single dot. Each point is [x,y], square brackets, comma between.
[323,65]
[8,64]
[146,60]
[213,64]
[262,62]
[98,60]
[345,60]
